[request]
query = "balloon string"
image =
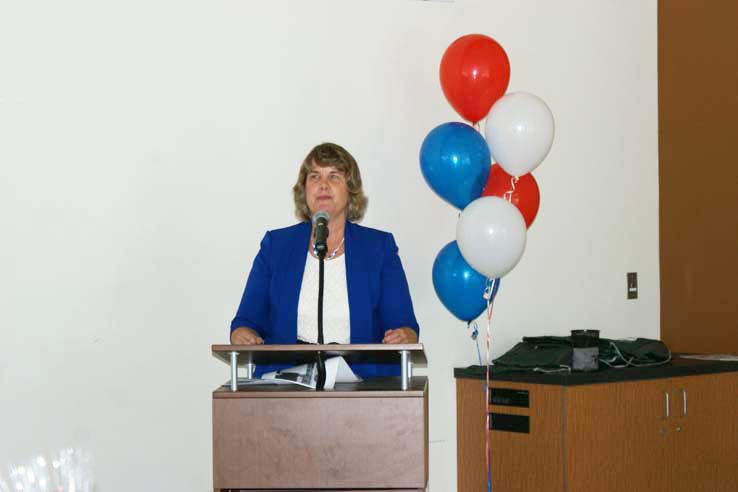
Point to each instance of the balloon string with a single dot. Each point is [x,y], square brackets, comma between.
[474,336]
[489,294]
[509,193]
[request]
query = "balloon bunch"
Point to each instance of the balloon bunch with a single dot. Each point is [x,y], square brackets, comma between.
[498,201]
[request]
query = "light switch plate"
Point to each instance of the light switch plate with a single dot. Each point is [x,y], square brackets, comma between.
[632,283]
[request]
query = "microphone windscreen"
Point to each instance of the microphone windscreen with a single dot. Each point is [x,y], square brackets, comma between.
[322,214]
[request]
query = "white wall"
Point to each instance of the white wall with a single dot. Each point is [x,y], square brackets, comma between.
[145,147]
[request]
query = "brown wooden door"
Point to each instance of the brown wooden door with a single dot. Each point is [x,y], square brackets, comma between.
[618,437]
[698,176]
[705,433]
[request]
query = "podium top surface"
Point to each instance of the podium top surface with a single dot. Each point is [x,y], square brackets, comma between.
[385,386]
[267,354]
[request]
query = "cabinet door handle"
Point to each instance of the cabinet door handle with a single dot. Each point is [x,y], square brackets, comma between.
[666,398]
[684,402]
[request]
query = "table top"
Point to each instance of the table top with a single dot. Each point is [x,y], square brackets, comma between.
[677,367]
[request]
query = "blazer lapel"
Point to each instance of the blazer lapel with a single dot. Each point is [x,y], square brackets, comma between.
[292,272]
[357,286]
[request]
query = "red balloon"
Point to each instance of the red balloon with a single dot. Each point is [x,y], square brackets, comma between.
[522,193]
[475,72]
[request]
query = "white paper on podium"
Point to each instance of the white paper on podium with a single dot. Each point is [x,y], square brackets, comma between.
[336,371]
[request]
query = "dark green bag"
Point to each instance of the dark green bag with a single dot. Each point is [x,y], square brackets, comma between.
[638,352]
[553,354]
[541,353]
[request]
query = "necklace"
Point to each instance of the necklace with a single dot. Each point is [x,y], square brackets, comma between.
[333,253]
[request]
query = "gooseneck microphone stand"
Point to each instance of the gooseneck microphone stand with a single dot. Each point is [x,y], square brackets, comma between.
[320,219]
[321,251]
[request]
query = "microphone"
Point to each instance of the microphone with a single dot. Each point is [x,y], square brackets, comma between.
[320,219]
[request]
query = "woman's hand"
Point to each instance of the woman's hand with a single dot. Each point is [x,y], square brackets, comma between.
[400,335]
[245,336]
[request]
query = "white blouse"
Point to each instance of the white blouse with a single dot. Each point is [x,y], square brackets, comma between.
[336,321]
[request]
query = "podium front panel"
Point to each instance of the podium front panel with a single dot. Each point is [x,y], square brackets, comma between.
[321,441]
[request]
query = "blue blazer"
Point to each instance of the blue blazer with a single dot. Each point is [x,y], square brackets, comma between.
[378,295]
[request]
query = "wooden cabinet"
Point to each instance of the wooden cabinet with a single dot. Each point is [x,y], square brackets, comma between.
[616,434]
[704,432]
[520,462]
[665,434]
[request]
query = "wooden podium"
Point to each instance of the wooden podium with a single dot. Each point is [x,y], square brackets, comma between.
[365,436]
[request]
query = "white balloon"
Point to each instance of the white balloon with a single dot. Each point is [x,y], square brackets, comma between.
[519,132]
[491,235]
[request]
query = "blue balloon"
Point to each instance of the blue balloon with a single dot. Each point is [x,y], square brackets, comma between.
[455,162]
[459,287]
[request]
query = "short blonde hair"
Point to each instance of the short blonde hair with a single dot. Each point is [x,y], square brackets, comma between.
[331,155]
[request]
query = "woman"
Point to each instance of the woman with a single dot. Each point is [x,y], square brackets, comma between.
[366,297]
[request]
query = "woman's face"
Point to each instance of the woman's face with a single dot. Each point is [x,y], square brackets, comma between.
[326,190]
